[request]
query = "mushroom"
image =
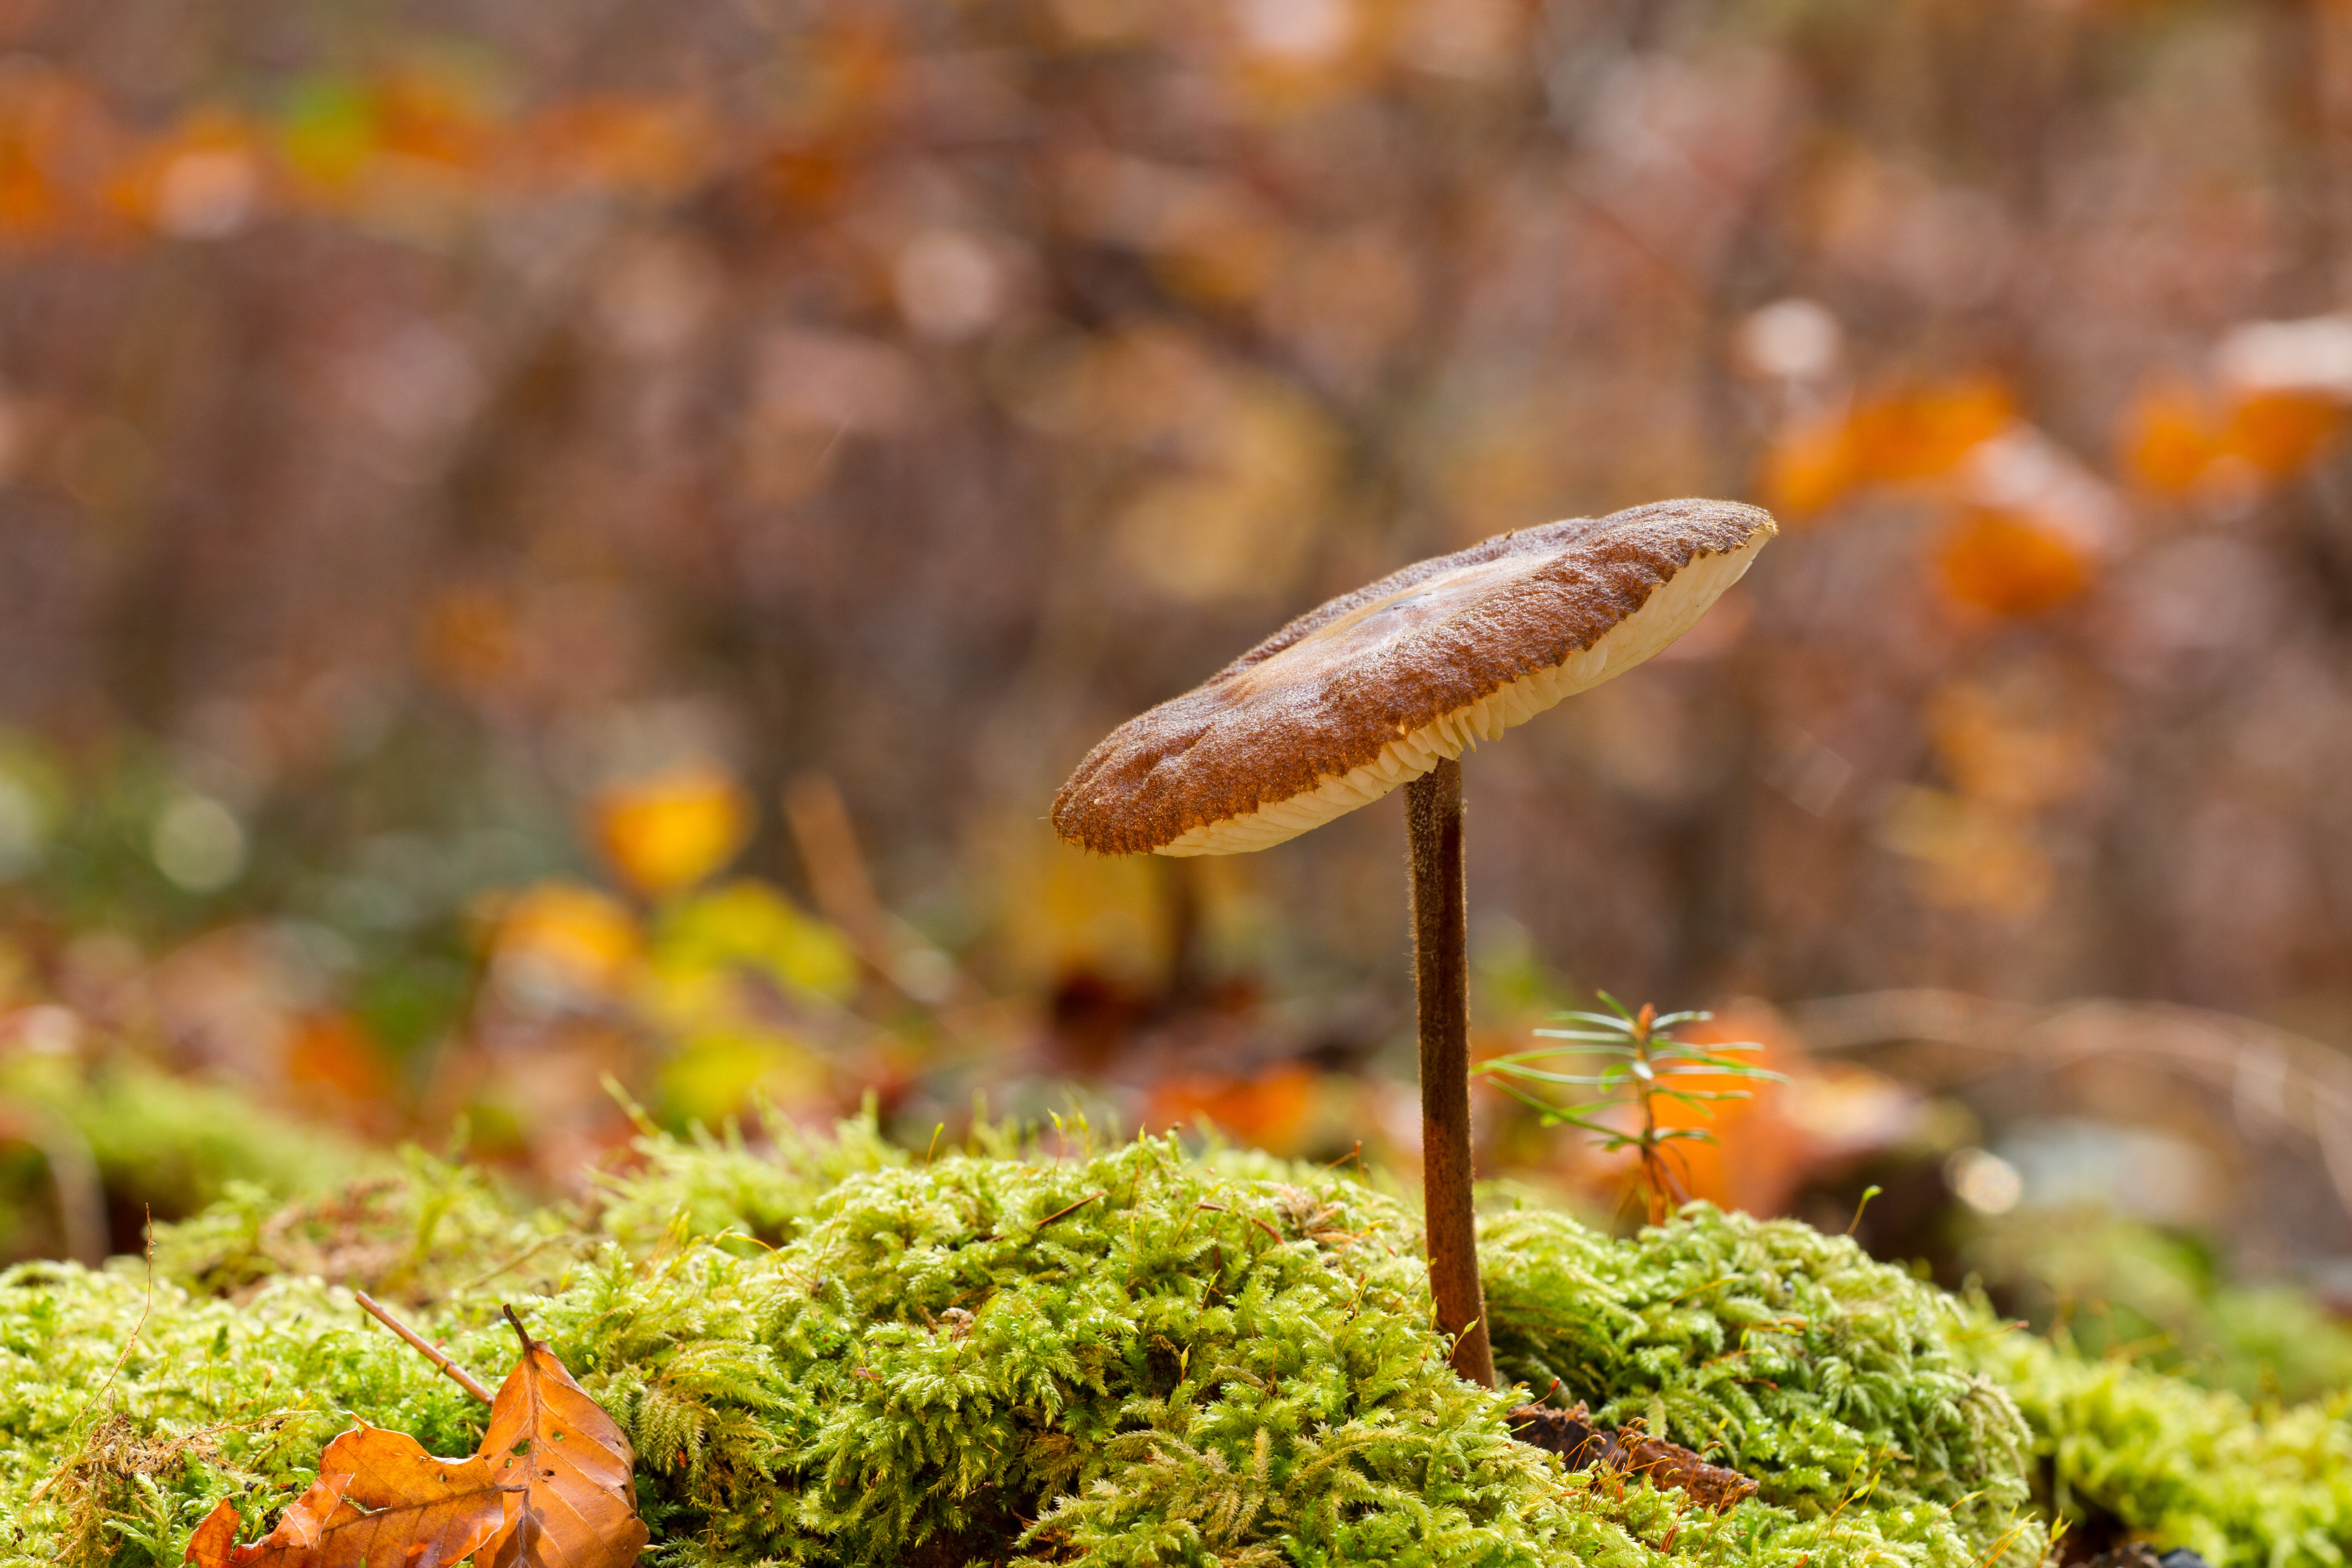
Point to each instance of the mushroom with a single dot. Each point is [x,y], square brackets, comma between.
[1388,686]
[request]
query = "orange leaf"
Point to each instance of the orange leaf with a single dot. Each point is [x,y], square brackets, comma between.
[380,1497]
[579,1507]
[666,833]
[1808,465]
[1929,431]
[1269,1112]
[1998,562]
[215,1538]
[2279,432]
[2167,439]
[1916,434]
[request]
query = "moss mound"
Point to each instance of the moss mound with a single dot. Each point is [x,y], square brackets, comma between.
[1786,1354]
[2246,1487]
[159,1141]
[828,1354]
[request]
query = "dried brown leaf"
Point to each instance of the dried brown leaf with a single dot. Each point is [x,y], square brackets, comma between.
[215,1538]
[380,1497]
[578,1507]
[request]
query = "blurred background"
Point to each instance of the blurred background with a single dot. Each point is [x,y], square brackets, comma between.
[554,554]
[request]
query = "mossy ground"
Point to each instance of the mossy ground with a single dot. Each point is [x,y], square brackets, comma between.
[829,1353]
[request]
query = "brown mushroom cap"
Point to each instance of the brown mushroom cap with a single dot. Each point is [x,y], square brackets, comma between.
[1377,686]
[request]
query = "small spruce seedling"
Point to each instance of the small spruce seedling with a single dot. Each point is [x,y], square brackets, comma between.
[1642,1059]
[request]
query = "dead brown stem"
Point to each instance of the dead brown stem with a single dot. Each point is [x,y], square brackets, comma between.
[432,1353]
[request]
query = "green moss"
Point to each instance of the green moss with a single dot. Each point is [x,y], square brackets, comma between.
[224,1396]
[1789,1354]
[708,1184]
[165,1142]
[2247,1488]
[2162,1297]
[826,1353]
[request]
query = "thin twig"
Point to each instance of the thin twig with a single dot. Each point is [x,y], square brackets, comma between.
[145,1306]
[129,1345]
[529,1344]
[1060,1213]
[432,1353]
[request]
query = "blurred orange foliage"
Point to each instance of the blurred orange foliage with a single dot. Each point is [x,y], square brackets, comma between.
[333,1066]
[565,937]
[1912,434]
[664,834]
[2281,432]
[1271,1111]
[2173,440]
[2166,438]
[2004,563]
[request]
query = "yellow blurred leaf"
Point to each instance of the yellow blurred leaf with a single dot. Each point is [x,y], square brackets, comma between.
[566,939]
[718,1073]
[1058,910]
[749,924]
[665,833]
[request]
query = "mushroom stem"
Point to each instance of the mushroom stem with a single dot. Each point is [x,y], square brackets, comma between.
[1441,940]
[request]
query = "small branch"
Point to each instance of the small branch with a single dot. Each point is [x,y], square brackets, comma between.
[529,1344]
[432,1353]
[1059,1213]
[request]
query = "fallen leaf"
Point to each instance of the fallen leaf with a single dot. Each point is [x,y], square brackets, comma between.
[577,1506]
[666,833]
[550,1488]
[380,1497]
[215,1538]
[2010,565]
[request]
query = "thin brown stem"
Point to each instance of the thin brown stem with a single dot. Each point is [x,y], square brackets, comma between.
[521,1332]
[430,1351]
[1441,940]
[1653,1168]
